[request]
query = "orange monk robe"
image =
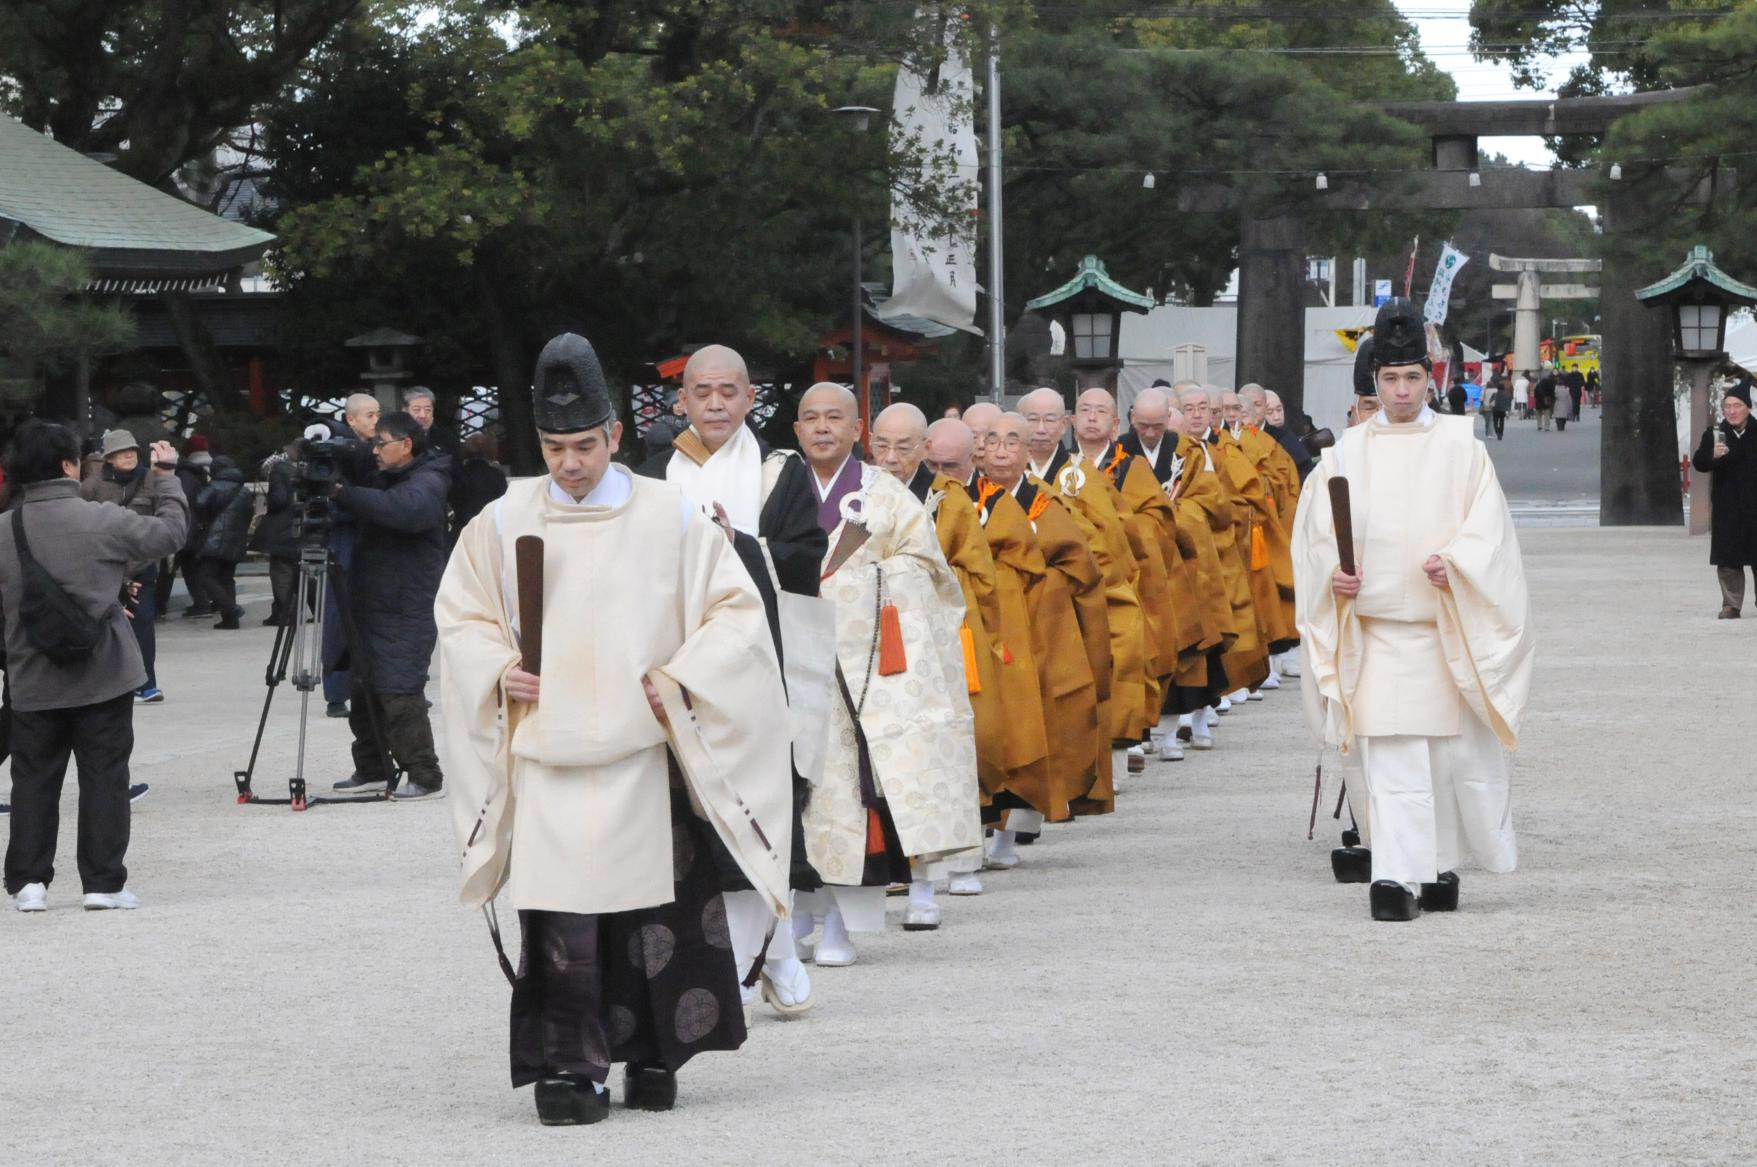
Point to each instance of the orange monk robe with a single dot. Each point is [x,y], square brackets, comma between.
[1264,544]
[1019,571]
[1279,474]
[1152,526]
[1079,745]
[1092,504]
[1244,661]
[961,539]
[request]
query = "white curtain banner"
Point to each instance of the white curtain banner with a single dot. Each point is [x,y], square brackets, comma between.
[933,256]
[1440,294]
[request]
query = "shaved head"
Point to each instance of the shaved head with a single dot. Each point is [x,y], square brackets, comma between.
[828,426]
[1047,415]
[1256,401]
[717,394]
[1150,416]
[1273,411]
[1232,407]
[1007,448]
[897,436]
[950,449]
[980,419]
[1095,421]
[1193,403]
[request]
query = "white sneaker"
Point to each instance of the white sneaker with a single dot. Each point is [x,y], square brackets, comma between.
[1170,750]
[32,897]
[963,883]
[1271,682]
[921,917]
[1202,741]
[100,901]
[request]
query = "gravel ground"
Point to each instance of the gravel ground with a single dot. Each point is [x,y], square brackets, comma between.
[1180,982]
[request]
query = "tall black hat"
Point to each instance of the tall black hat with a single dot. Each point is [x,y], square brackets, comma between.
[568,393]
[1399,336]
[1364,385]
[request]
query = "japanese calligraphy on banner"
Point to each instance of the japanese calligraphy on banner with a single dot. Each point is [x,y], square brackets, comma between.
[1440,293]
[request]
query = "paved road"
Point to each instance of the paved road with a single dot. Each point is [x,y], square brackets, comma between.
[1180,982]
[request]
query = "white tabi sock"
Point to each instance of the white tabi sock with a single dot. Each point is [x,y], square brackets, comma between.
[1002,847]
[1185,721]
[835,932]
[921,892]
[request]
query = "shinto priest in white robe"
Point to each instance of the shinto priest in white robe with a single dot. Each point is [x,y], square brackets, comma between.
[567,802]
[1429,685]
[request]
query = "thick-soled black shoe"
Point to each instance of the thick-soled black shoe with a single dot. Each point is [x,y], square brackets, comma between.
[649,1087]
[571,1102]
[1441,896]
[1351,837]
[1352,865]
[1392,901]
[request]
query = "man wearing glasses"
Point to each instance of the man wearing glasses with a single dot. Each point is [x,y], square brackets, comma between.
[399,555]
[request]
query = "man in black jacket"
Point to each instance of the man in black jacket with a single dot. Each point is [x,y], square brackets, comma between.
[399,555]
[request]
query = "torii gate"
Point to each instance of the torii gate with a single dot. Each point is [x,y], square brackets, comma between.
[1529,294]
[1638,459]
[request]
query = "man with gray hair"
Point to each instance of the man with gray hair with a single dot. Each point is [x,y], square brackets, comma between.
[421,405]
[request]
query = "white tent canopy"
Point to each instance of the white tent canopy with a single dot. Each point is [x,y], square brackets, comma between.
[1150,346]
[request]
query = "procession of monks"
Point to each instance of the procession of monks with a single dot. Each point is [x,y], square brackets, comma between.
[1121,592]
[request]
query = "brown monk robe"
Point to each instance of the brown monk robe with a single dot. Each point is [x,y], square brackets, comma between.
[1278,470]
[1246,663]
[1068,627]
[1151,526]
[1018,569]
[1091,503]
[1265,546]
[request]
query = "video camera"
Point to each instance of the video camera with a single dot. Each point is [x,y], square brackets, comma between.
[321,465]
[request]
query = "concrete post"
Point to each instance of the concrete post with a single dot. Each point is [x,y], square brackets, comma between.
[1527,322]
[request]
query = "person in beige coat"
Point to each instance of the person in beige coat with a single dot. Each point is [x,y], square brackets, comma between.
[592,789]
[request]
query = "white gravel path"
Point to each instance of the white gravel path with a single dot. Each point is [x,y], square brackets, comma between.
[1178,983]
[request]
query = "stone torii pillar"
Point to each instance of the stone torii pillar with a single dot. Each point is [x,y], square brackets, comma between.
[1529,294]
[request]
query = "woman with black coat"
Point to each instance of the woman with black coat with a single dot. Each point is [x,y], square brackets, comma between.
[224,507]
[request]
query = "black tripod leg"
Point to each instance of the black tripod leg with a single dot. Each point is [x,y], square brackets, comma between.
[273,676]
[362,666]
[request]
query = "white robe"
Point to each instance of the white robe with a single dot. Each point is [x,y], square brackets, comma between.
[567,802]
[918,724]
[1405,662]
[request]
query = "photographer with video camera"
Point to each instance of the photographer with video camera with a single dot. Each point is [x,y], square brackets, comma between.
[399,555]
[73,664]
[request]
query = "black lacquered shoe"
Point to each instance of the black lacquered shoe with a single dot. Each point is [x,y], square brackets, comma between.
[1351,837]
[1352,865]
[1392,901]
[649,1087]
[1441,896]
[571,1102]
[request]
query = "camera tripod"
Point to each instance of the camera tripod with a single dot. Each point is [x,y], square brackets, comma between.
[299,640]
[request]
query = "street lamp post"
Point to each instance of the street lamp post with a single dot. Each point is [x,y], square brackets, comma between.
[1700,297]
[857,119]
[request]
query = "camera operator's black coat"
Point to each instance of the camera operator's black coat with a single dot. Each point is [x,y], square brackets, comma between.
[399,555]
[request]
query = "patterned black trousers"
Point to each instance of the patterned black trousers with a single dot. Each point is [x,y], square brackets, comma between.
[653,986]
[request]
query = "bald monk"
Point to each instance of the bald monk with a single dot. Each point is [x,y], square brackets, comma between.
[1151,524]
[1149,421]
[899,446]
[1089,501]
[1281,476]
[1072,641]
[1208,502]
[1260,532]
[1027,794]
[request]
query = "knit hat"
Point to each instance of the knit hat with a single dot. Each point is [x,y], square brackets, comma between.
[197,444]
[1742,391]
[117,441]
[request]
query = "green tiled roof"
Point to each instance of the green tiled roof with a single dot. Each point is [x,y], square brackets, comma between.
[1093,276]
[1700,266]
[128,228]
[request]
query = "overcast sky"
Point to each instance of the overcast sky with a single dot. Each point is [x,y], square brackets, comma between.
[1445,36]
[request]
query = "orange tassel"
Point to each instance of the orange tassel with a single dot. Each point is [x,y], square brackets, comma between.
[875,832]
[972,681]
[891,659]
[1259,550]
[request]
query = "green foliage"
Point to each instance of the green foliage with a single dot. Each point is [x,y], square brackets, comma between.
[44,323]
[1704,144]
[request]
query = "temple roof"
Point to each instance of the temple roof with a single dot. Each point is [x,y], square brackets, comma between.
[136,237]
[1094,278]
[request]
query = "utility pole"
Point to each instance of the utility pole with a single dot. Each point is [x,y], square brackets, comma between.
[997,320]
